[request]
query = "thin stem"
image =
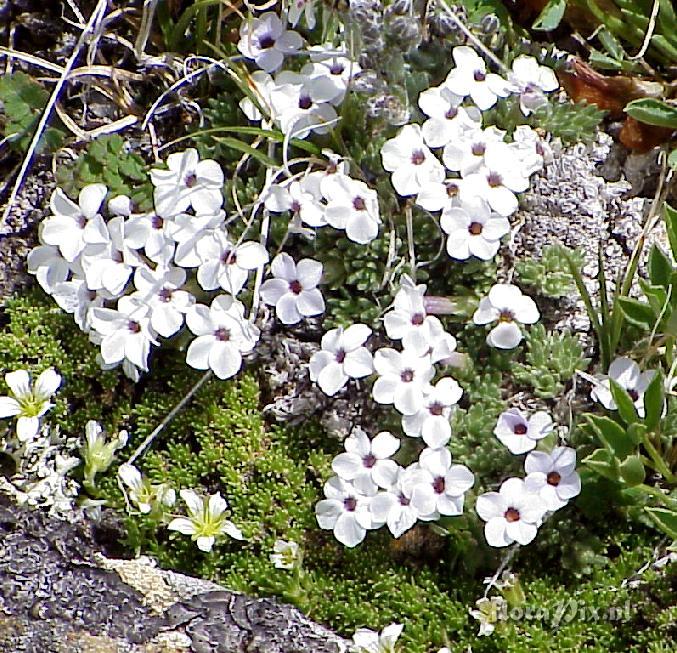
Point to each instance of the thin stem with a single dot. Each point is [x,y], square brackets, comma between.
[410,240]
[658,463]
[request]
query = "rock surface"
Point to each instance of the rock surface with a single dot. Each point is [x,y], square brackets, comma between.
[59,594]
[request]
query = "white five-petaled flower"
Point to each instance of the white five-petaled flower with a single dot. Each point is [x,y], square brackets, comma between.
[146,496]
[266,41]
[431,422]
[223,335]
[28,403]
[293,290]
[506,305]
[353,206]
[627,374]
[285,554]
[48,266]
[403,379]
[345,511]
[466,153]
[394,507]
[520,434]
[342,357]
[473,230]
[447,121]
[553,476]
[205,521]
[438,486]
[73,226]
[532,80]
[513,514]
[470,77]
[298,8]
[368,461]
[188,182]
[298,197]
[410,161]
[368,641]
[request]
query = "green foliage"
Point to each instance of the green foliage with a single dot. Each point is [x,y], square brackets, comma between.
[551,361]
[109,160]
[551,15]
[653,112]
[23,99]
[572,122]
[550,275]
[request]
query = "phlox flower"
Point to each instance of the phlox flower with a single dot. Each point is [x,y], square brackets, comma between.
[473,230]
[470,78]
[223,335]
[141,492]
[188,182]
[266,40]
[627,374]
[436,195]
[301,198]
[393,507]
[513,514]
[189,231]
[261,84]
[205,521]
[532,81]
[368,461]
[293,290]
[353,206]
[531,150]
[345,511]
[506,305]
[75,298]
[153,233]
[410,161]
[403,378]
[301,8]
[368,641]
[338,67]
[553,476]
[343,356]
[48,266]
[465,154]
[285,555]
[26,402]
[519,433]
[447,120]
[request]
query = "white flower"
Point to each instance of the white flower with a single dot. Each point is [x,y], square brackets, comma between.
[72,226]
[298,8]
[188,182]
[553,476]
[436,195]
[48,266]
[520,434]
[403,378]
[261,84]
[300,198]
[368,461]
[266,41]
[489,612]
[342,357]
[125,332]
[225,264]
[532,81]
[160,290]
[205,521]
[76,298]
[28,403]
[465,154]
[293,292]
[286,554]
[394,506]
[147,497]
[338,68]
[368,641]
[506,305]
[431,422]
[97,453]
[189,231]
[345,511]
[412,164]
[447,121]
[470,77]
[353,206]
[438,487]
[223,335]
[473,230]
[626,373]
[531,150]
[513,514]
[153,233]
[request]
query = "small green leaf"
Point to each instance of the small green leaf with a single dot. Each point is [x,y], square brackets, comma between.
[551,16]
[632,470]
[670,218]
[665,519]
[602,462]
[617,440]
[626,407]
[654,398]
[672,159]
[660,267]
[653,112]
[638,313]
[636,432]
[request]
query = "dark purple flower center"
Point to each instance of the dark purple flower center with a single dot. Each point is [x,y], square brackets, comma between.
[117,256]
[403,500]
[340,355]
[190,180]
[156,222]
[506,316]
[452,189]
[494,179]
[336,68]
[540,150]
[519,429]
[133,326]
[417,157]
[359,204]
[634,395]
[451,113]
[475,228]
[165,295]
[82,221]
[553,478]
[229,257]
[478,149]
[266,41]
[479,76]
[417,319]
[369,460]
[305,102]
[436,408]
[222,334]
[407,376]
[296,287]
[295,206]
[511,515]
[350,503]
[439,485]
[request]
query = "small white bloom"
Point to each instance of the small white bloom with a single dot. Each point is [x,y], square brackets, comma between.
[431,422]
[489,612]
[532,80]
[368,461]
[627,374]
[368,641]
[298,8]
[153,233]
[403,378]
[76,298]
[338,68]
[353,206]
[447,120]
[286,554]
[345,511]
[205,521]
[342,357]
[410,161]
[97,452]
[394,506]
[48,266]
[146,496]
[266,41]
[520,434]
[465,154]
[188,182]
[300,198]
[189,231]
[436,195]
[513,514]
[223,335]
[28,403]
[293,292]
[553,476]
[506,305]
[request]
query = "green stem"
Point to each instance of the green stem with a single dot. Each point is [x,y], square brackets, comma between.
[658,463]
